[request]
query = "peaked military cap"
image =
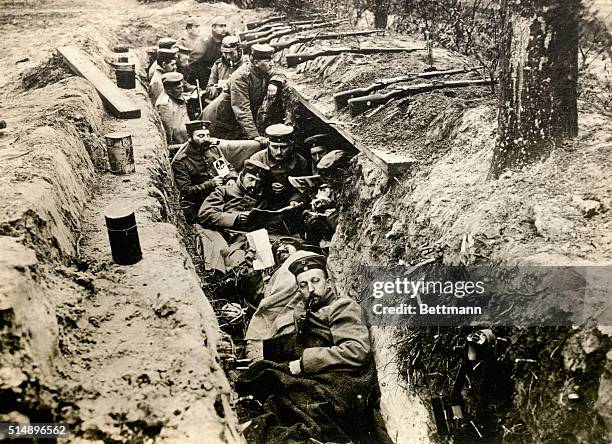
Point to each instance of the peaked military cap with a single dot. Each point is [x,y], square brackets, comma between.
[308,263]
[333,159]
[165,55]
[219,20]
[230,43]
[279,133]
[195,125]
[256,168]
[190,21]
[166,43]
[259,52]
[184,50]
[172,78]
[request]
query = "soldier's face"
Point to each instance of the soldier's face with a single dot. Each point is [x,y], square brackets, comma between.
[219,30]
[279,151]
[175,90]
[194,30]
[264,65]
[284,251]
[231,56]
[169,66]
[251,183]
[313,282]
[199,137]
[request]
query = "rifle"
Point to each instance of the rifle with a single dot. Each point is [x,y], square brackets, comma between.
[256,34]
[278,18]
[199,97]
[296,59]
[244,35]
[359,105]
[341,99]
[286,44]
[293,30]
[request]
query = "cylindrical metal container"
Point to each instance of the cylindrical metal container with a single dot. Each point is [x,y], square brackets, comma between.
[126,75]
[120,152]
[122,233]
[122,54]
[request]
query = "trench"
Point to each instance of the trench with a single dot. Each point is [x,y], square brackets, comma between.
[74,324]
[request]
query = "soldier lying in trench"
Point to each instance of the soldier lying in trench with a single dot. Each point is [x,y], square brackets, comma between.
[317,378]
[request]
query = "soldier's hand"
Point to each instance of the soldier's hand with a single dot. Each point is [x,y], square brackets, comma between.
[272,90]
[263,141]
[278,187]
[218,181]
[241,220]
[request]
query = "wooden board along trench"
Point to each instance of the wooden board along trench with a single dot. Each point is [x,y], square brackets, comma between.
[116,100]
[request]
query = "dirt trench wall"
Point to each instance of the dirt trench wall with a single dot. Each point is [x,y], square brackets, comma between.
[120,353]
[47,177]
[446,211]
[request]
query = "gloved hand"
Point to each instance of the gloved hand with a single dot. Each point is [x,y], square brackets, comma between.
[241,220]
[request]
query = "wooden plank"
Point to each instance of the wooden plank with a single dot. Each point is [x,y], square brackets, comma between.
[392,164]
[117,102]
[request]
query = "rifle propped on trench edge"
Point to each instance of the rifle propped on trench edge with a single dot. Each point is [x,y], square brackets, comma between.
[296,59]
[341,99]
[359,105]
[331,36]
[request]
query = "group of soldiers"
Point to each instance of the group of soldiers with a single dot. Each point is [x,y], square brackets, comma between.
[267,184]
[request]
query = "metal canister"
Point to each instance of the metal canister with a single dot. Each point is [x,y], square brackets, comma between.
[126,75]
[122,54]
[120,152]
[123,233]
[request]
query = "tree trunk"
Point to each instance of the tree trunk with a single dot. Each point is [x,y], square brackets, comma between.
[381,14]
[537,85]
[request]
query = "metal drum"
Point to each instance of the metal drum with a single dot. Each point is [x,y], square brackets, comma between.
[122,233]
[120,152]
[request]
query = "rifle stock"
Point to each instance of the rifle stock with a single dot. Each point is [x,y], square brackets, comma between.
[296,59]
[359,105]
[284,45]
[341,99]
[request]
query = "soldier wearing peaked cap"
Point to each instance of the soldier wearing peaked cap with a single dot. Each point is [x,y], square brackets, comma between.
[192,32]
[172,108]
[166,62]
[320,353]
[318,149]
[228,207]
[234,112]
[206,50]
[231,59]
[163,43]
[283,161]
[197,171]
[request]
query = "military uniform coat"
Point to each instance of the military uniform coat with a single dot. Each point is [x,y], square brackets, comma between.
[221,70]
[156,86]
[173,114]
[193,171]
[233,114]
[221,208]
[201,59]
